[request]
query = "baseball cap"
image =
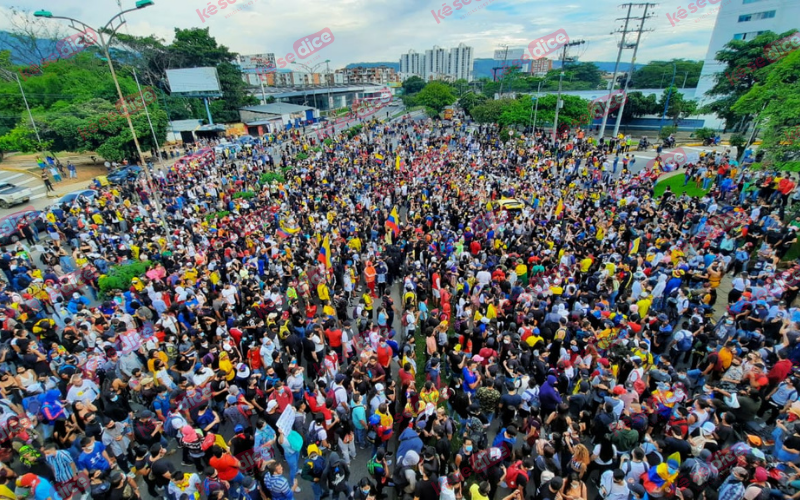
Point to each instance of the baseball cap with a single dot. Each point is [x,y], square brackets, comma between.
[761,475]
[272,405]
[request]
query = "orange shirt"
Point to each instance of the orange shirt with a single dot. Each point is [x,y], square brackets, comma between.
[226,465]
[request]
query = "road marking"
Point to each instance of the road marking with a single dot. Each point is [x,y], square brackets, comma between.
[15,176]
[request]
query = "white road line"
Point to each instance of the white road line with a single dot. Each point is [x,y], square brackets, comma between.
[12,177]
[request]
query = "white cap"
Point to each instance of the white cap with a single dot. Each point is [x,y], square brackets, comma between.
[76,295]
[272,405]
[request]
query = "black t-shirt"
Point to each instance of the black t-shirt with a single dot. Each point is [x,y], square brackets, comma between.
[545,493]
[216,386]
[161,467]
[426,489]
[792,442]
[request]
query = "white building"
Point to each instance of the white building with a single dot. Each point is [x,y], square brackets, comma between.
[438,64]
[412,63]
[461,59]
[744,20]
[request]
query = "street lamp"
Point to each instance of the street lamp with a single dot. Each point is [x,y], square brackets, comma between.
[311,73]
[108,28]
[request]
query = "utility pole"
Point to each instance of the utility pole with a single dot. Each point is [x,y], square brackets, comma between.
[639,32]
[560,79]
[616,68]
[505,57]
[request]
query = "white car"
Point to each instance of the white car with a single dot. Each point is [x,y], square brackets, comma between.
[11,194]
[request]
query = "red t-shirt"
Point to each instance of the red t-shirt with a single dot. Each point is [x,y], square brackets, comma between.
[384,355]
[334,337]
[226,466]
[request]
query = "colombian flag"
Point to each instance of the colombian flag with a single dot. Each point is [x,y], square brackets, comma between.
[378,159]
[325,253]
[280,233]
[392,221]
[397,163]
[634,247]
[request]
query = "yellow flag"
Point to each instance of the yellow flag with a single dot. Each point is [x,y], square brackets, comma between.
[559,207]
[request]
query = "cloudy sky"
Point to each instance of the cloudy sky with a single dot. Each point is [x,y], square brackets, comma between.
[380,30]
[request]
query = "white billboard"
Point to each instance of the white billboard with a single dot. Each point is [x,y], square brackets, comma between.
[508,55]
[193,80]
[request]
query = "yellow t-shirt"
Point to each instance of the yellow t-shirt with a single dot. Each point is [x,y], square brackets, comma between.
[475,493]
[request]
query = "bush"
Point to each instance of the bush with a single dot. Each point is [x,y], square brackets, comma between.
[244,195]
[301,156]
[216,215]
[354,131]
[738,140]
[328,141]
[270,177]
[705,133]
[120,277]
[667,131]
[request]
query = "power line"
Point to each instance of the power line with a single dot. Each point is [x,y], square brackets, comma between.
[638,32]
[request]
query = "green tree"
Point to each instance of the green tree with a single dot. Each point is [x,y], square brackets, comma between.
[470,100]
[413,84]
[679,107]
[747,63]
[489,111]
[638,105]
[776,105]
[587,74]
[436,95]
[657,74]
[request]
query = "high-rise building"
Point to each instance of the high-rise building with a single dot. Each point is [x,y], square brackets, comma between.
[461,59]
[743,20]
[412,63]
[438,63]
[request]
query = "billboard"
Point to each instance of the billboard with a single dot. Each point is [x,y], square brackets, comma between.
[193,80]
[508,55]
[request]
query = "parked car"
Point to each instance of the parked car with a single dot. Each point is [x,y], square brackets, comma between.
[8,225]
[129,173]
[11,194]
[69,199]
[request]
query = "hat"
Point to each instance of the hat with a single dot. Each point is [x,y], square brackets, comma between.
[272,405]
[339,378]
[603,361]
[618,390]
[761,475]
[708,428]
[145,414]
[739,471]
[238,429]
[231,399]
[379,387]
[76,295]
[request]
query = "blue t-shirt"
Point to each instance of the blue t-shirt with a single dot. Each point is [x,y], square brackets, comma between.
[94,459]
[469,378]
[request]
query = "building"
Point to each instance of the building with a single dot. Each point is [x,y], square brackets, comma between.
[743,20]
[377,75]
[255,67]
[439,64]
[412,63]
[540,67]
[276,116]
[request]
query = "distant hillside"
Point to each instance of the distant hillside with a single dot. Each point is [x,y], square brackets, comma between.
[483,67]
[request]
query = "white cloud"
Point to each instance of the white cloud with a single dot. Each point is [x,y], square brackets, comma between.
[380,30]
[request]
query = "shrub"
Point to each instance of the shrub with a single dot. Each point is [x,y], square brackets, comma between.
[301,156]
[328,141]
[738,140]
[216,215]
[120,277]
[243,194]
[705,133]
[270,177]
[667,131]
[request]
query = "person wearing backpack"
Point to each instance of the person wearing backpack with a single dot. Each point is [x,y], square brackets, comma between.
[405,476]
[313,471]
[378,468]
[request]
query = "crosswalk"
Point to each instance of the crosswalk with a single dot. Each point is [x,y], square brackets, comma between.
[24,180]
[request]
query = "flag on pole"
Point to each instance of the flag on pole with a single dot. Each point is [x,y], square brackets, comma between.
[379,158]
[559,207]
[392,222]
[325,253]
[397,162]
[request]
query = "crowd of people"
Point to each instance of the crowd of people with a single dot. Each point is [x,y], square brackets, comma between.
[420,310]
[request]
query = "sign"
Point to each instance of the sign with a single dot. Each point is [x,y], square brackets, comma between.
[286,421]
[130,341]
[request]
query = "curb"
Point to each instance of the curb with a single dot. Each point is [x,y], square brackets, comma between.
[17,170]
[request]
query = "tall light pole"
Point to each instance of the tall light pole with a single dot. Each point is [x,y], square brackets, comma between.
[536,111]
[328,84]
[141,4]
[27,107]
[666,104]
[311,73]
[149,122]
